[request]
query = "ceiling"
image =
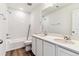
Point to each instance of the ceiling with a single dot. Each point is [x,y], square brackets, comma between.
[23,6]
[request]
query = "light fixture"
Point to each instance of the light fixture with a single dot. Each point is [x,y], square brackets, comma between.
[20,14]
[30,4]
[46,5]
[21,8]
[49,4]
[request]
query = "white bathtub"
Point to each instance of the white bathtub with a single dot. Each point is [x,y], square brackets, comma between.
[12,44]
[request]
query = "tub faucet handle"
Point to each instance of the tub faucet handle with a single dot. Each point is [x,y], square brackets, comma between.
[7,34]
[67,37]
[1,41]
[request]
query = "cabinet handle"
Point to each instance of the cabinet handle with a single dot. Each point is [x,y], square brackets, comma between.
[1,41]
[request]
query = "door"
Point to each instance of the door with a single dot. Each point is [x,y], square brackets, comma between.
[75,22]
[48,49]
[3,29]
[39,47]
[64,52]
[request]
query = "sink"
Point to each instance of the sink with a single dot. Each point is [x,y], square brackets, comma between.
[57,39]
[64,41]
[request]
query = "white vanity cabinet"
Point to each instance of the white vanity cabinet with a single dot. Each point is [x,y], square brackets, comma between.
[34,45]
[39,47]
[48,49]
[64,52]
[42,47]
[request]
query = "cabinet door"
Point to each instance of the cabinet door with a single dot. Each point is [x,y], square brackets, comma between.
[49,49]
[39,47]
[34,46]
[64,52]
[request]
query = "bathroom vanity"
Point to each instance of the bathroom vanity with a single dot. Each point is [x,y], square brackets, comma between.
[51,45]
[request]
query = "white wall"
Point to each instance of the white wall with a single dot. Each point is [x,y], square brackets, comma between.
[35,20]
[3,18]
[3,28]
[18,22]
[62,16]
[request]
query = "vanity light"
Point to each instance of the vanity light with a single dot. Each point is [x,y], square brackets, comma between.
[57,6]
[29,4]
[21,8]
[20,14]
[49,4]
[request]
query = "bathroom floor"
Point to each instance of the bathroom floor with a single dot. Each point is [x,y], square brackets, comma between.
[19,52]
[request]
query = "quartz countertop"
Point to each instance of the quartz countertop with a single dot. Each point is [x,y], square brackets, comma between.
[51,39]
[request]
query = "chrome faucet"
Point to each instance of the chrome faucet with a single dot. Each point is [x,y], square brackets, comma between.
[66,37]
[43,26]
[45,32]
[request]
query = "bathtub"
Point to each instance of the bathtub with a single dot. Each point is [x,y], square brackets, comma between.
[12,44]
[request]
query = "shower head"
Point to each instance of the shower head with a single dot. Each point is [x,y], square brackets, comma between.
[9,11]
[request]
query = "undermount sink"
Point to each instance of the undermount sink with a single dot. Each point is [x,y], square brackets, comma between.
[64,41]
[57,39]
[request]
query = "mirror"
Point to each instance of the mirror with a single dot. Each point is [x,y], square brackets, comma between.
[50,24]
[59,20]
[75,22]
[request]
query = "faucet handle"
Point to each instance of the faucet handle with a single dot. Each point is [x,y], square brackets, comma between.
[67,37]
